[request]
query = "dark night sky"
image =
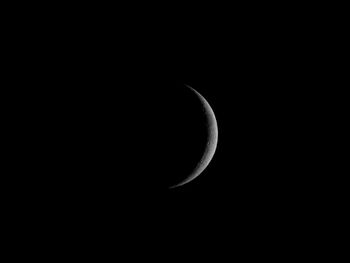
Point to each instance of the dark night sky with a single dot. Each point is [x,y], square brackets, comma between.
[112,128]
[120,103]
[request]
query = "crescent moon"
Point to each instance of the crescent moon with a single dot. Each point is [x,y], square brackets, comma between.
[211,144]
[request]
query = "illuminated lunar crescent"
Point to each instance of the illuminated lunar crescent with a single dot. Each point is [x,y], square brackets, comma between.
[211,142]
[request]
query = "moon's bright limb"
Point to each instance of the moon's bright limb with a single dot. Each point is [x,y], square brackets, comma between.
[211,141]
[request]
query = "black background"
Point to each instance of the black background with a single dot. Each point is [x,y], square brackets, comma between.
[100,95]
